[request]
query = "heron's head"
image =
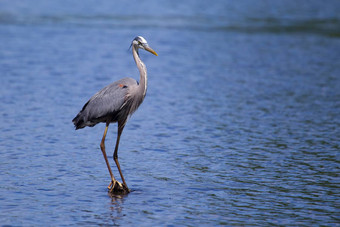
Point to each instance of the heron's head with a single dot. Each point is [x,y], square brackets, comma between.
[140,42]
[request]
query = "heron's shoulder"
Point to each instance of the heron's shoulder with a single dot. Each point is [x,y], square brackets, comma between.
[127,81]
[117,85]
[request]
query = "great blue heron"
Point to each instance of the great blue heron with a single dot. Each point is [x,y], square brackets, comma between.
[115,103]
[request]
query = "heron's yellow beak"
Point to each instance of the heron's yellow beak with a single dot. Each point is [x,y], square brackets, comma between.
[150,50]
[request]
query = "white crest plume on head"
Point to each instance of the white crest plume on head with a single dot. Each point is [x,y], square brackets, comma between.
[142,40]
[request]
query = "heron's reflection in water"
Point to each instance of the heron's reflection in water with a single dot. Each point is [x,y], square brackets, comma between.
[116,207]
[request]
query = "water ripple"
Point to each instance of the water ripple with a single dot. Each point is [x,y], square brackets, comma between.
[239,127]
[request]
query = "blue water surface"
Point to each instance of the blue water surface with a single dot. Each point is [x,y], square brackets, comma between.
[240,125]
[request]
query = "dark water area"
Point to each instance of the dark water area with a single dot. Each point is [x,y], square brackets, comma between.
[240,125]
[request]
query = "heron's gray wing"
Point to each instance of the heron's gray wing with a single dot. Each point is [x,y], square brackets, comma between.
[108,101]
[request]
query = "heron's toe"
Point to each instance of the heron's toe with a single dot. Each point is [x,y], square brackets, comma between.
[110,185]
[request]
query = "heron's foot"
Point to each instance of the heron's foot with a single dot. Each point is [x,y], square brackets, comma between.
[116,187]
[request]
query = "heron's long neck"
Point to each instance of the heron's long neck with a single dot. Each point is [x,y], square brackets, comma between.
[142,70]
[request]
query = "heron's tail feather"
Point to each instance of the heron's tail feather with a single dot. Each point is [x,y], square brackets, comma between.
[78,121]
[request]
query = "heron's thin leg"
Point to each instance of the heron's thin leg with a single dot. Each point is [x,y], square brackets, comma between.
[115,154]
[102,147]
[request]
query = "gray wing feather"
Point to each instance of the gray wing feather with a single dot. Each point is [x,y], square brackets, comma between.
[108,100]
